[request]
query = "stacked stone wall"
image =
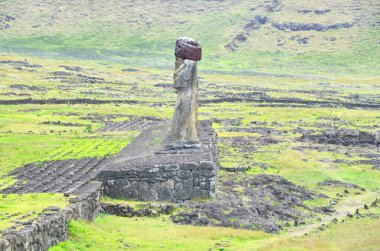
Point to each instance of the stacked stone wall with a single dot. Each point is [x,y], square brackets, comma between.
[173,182]
[53,226]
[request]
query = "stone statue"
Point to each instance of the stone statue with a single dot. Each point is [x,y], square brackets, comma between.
[184,122]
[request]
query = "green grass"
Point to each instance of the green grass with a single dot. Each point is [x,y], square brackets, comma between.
[361,232]
[92,147]
[18,150]
[118,233]
[13,206]
[25,139]
[150,234]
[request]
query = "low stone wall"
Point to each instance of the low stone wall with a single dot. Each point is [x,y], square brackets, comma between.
[174,182]
[148,209]
[345,137]
[52,227]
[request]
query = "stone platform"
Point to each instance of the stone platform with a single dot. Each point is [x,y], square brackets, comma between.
[147,169]
[151,169]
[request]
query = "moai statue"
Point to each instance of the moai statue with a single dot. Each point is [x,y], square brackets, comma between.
[184,122]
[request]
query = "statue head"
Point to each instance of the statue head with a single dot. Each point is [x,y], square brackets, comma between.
[188,48]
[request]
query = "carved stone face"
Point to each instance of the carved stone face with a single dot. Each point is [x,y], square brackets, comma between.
[188,48]
[183,74]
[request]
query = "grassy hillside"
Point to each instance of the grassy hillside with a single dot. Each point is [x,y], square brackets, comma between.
[339,37]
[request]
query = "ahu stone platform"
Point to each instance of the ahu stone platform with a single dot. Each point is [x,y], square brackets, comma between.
[151,169]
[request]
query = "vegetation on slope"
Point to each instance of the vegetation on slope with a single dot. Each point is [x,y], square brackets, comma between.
[134,33]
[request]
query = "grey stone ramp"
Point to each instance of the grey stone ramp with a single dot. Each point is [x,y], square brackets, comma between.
[67,176]
[154,146]
[127,125]
[62,176]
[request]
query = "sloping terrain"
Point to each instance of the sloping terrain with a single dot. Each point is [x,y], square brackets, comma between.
[257,36]
[316,136]
[292,88]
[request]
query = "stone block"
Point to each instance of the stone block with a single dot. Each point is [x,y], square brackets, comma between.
[206,165]
[131,191]
[198,193]
[169,174]
[188,166]
[204,185]
[174,167]
[165,194]
[196,182]
[168,184]
[188,186]
[154,170]
[366,137]
[184,174]
[146,193]
[122,183]
[147,174]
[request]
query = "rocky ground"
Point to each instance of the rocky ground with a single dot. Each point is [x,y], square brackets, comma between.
[260,202]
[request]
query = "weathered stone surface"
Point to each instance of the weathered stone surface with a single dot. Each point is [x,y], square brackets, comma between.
[184,174]
[310,26]
[185,118]
[147,209]
[168,184]
[342,137]
[187,48]
[254,202]
[338,183]
[165,194]
[148,195]
[198,193]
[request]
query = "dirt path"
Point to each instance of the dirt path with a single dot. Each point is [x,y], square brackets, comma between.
[349,205]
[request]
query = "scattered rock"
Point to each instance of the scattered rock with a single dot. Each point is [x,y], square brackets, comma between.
[148,209]
[252,202]
[72,68]
[253,24]
[27,87]
[129,70]
[337,183]
[310,26]
[24,63]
